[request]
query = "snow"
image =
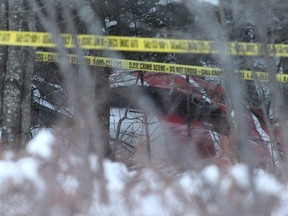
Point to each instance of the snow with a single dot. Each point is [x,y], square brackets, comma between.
[20,171]
[110,24]
[212,2]
[240,173]
[67,182]
[267,184]
[211,174]
[115,175]
[41,144]
[189,183]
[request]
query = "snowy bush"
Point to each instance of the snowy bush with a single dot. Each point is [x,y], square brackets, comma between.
[50,179]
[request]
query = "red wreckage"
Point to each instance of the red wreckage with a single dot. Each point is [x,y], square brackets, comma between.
[192,115]
[177,118]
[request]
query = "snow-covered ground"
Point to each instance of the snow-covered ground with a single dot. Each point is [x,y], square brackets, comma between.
[50,179]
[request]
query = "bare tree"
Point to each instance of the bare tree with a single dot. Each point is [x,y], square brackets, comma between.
[3,51]
[17,82]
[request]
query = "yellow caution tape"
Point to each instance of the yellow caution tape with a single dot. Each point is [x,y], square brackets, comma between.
[156,67]
[133,65]
[136,44]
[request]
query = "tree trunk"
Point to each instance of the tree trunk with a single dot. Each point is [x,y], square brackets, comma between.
[284,87]
[27,82]
[3,51]
[17,87]
[102,85]
[103,108]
